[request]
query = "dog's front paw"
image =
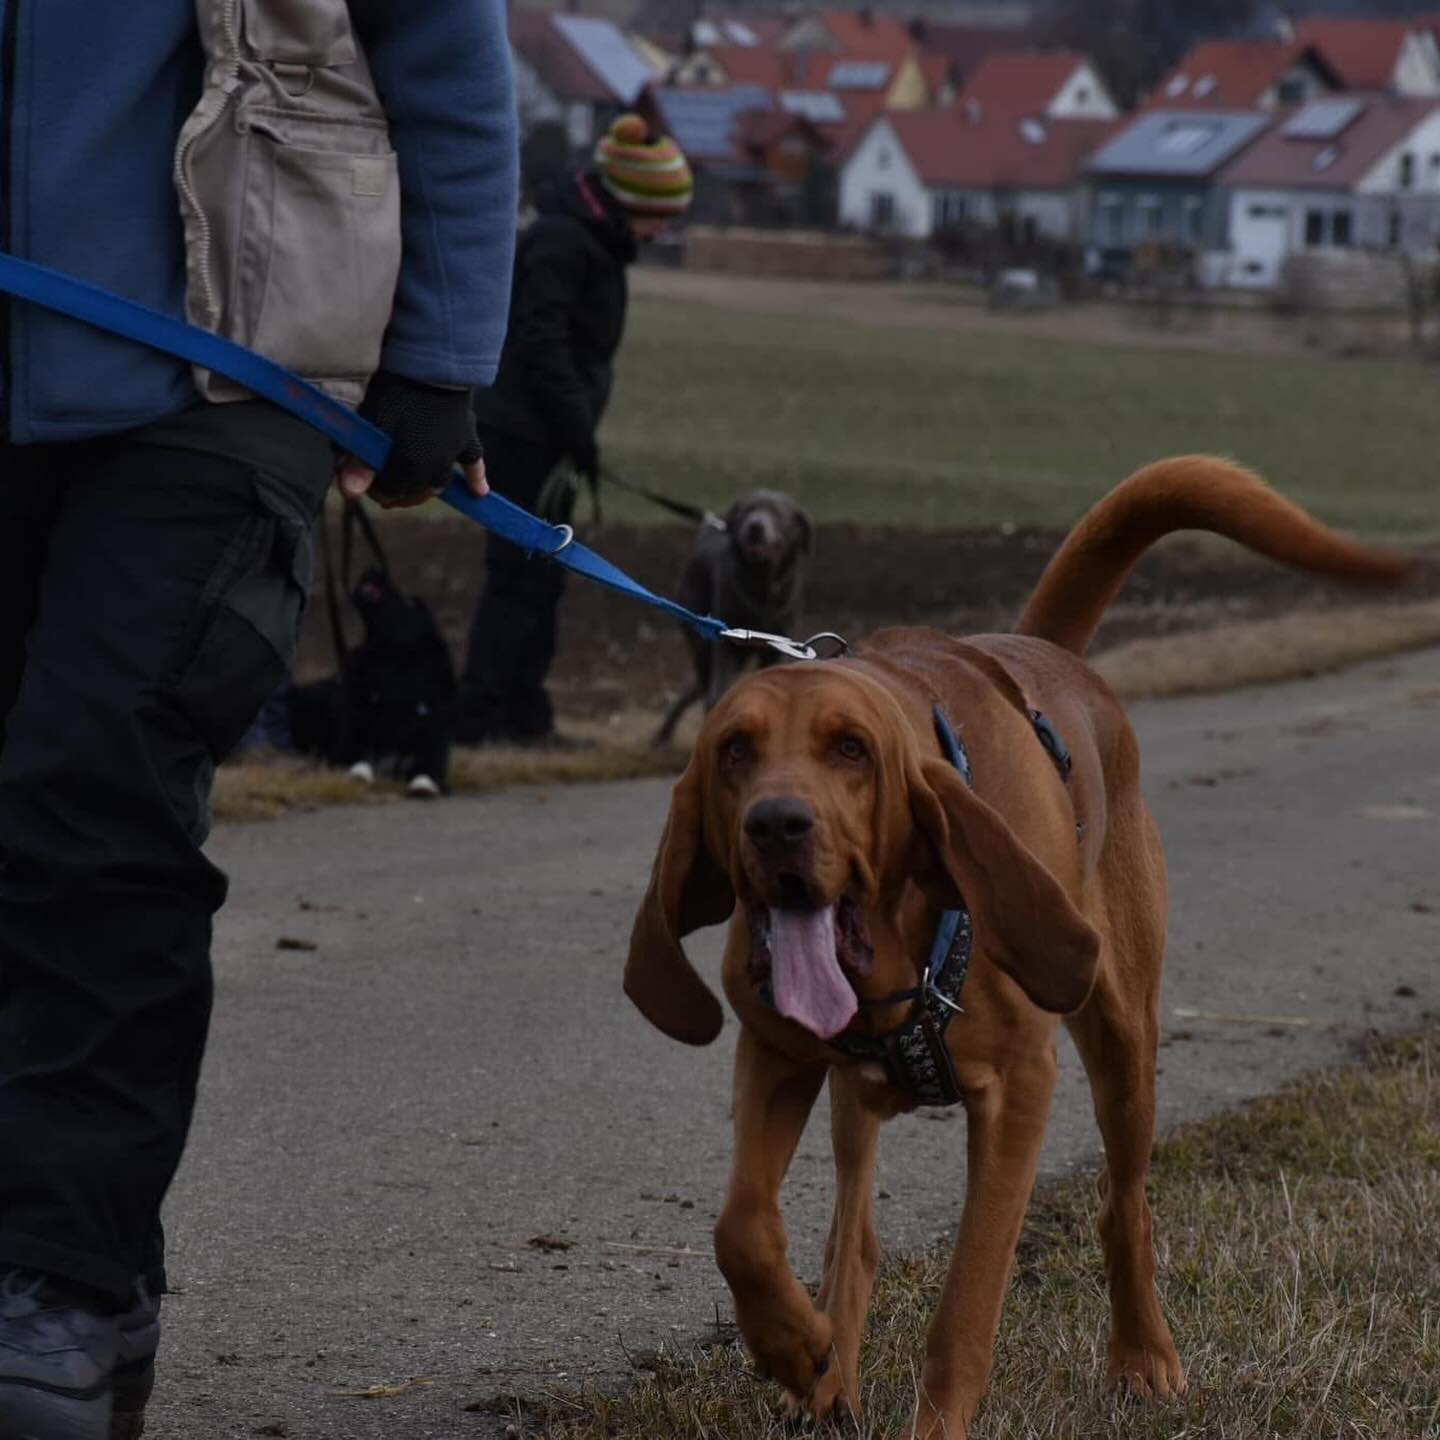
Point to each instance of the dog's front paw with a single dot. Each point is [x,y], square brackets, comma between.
[791,1348]
[1154,1370]
[830,1403]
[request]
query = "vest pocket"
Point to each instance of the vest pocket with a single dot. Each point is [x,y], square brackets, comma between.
[299,32]
[318,255]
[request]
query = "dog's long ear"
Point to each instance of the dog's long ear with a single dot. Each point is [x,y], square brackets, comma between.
[687,890]
[1023,916]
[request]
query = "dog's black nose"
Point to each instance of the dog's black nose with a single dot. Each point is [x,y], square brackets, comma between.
[754,532]
[781,823]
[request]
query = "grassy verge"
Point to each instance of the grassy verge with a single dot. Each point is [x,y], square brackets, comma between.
[878,424]
[1299,1270]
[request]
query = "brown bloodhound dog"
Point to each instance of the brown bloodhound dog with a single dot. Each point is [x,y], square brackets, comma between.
[820,815]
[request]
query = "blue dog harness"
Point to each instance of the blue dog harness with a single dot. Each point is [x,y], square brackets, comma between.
[95,306]
[914,1055]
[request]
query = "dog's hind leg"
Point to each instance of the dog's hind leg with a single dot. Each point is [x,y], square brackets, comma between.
[1117,1034]
[787,1335]
[852,1253]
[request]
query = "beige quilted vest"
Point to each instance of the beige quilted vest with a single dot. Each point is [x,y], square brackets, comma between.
[289,192]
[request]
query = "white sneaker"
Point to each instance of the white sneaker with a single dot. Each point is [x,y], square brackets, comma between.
[363,771]
[422,787]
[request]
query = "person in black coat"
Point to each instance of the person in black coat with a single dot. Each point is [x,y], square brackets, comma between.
[567,318]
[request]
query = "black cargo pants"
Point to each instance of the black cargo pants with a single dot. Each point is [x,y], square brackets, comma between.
[513,632]
[150,598]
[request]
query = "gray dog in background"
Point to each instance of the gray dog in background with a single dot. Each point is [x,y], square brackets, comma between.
[750,573]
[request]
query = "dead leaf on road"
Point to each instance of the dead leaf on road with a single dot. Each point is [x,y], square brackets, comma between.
[383,1392]
[550,1242]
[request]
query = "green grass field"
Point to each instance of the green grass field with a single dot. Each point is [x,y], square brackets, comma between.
[911,427]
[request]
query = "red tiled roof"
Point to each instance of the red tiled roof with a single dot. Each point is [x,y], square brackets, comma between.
[1286,162]
[751,64]
[1020,84]
[552,57]
[864,35]
[760,129]
[861,107]
[997,152]
[1364,53]
[1233,74]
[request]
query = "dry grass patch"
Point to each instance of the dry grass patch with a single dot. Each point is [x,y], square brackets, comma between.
[1298,1264]
[1289,647]
[268,786]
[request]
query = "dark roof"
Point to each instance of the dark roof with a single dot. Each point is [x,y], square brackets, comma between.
[704,118]
[1180,144]
[965,46]
[558,64]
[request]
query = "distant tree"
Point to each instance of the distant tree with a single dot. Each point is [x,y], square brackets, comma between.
[1136,41]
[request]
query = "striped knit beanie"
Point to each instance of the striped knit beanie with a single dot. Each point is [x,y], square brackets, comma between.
[647,176]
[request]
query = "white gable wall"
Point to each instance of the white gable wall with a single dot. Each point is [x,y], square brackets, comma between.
[1083,97]
[1422,144]
[1417,71]
[537,104]
[879,166]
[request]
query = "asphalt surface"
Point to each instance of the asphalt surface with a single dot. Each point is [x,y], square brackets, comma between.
[391,1120]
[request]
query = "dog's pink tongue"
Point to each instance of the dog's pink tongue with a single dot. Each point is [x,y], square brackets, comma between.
[805,973]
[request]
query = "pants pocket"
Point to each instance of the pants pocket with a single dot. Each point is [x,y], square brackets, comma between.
[248,631]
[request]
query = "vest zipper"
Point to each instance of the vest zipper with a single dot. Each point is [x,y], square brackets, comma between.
[189,200]
[7,112]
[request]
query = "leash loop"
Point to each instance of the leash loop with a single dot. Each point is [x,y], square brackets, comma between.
[834,645]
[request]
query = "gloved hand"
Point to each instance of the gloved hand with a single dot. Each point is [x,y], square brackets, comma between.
[431,427]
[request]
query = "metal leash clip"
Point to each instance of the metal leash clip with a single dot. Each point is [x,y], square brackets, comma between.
[834,645]
[567,539]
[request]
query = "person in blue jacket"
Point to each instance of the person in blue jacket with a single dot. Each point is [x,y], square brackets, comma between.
[155,550]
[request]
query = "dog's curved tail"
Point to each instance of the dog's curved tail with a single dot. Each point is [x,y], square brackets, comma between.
[1191,492]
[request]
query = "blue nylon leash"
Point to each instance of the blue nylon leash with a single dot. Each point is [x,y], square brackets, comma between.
[106,311]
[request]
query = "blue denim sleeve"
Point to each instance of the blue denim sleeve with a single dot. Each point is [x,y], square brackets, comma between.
[443,71]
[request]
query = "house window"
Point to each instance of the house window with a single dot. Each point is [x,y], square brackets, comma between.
[949,209]
[1291,90]
[1082,95]
[1394,230]
[1194,219]
[1407,171]
[882,210]
[1152,218]
[1328,229]
[883,159]
[1112,220]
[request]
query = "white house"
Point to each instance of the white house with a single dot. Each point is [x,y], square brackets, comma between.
[1350,173]
[917,172]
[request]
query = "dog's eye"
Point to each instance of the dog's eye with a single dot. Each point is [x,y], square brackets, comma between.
[851,748]
[737,750]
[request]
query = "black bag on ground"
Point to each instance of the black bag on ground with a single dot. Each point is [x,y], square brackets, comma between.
[392,703]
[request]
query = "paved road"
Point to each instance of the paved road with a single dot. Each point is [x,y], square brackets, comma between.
[387,1119]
